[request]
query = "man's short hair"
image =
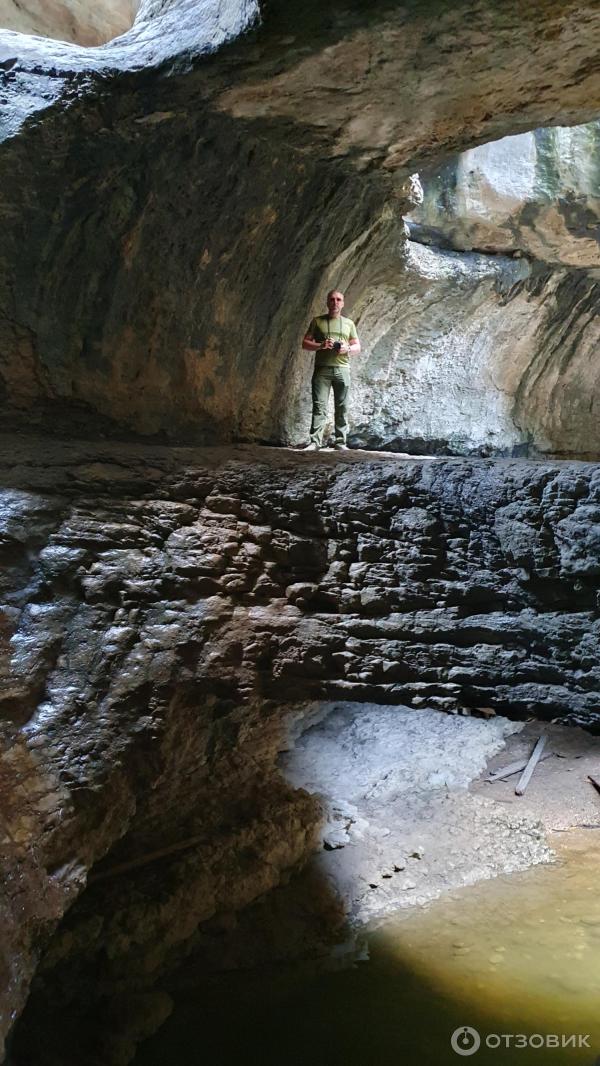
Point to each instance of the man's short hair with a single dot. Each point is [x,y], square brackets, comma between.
[331,292]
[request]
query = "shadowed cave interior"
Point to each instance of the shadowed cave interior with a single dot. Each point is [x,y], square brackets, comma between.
[251,699]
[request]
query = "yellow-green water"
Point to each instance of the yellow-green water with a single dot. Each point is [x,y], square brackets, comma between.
[513,958]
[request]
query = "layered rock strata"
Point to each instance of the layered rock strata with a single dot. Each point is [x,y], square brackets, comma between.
[160,605]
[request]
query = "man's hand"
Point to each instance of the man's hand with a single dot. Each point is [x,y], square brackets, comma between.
[343,346]
[310,344]
[329,344]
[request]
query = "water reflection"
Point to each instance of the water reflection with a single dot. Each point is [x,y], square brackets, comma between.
[519,955]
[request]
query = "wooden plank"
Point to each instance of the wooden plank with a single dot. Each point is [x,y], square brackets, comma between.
[514,768]
[525,777]
[145,860]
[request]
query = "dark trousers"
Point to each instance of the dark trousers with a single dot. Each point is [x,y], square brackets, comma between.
[324,379]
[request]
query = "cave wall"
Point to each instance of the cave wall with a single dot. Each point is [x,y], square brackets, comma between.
[166,609]
[469,353]
[484,340]
[159,605]
[79,21]
[128,306]
[536,194]
[180,321]
[447,340]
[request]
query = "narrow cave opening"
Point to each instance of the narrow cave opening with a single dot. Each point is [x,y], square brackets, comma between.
[484,342]
[81,22]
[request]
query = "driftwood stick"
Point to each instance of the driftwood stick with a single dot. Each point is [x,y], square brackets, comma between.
[145,860]
[514,768]
[525,777]
[595,783]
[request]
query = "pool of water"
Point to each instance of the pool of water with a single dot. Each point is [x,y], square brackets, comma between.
[517,959]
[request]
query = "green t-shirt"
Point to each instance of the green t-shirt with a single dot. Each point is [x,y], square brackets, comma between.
[339,329]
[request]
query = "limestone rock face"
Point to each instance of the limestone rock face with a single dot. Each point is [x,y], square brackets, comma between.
[491,352]
[173,206]
[131,307]
[165,610]
[537,193]
[478,354]
[70,20]
[437,375]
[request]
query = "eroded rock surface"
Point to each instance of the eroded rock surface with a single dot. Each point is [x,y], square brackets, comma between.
[411,812]
[484,340]
[402,826]
[478,354]
[131,305]
[160,605]
[536,194]
[78,21]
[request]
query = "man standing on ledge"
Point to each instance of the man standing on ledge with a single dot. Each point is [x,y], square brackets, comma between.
[334,339]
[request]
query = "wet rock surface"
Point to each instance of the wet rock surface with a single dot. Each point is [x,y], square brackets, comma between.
[165,613]
[160,608]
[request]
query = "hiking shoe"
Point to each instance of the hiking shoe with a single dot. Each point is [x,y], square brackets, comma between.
[312,447]
[341,447]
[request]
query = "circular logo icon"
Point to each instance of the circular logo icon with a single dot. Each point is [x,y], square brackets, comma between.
[465,1041]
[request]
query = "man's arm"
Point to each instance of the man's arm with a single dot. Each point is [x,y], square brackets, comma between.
[311,344]
[353,345]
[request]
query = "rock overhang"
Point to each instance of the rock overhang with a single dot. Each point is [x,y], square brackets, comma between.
[72,20]
[386,84]
[163,604]
[299,128]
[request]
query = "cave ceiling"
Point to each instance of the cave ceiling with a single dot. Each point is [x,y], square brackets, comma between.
[173,203]
[381,82]
[70,20]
